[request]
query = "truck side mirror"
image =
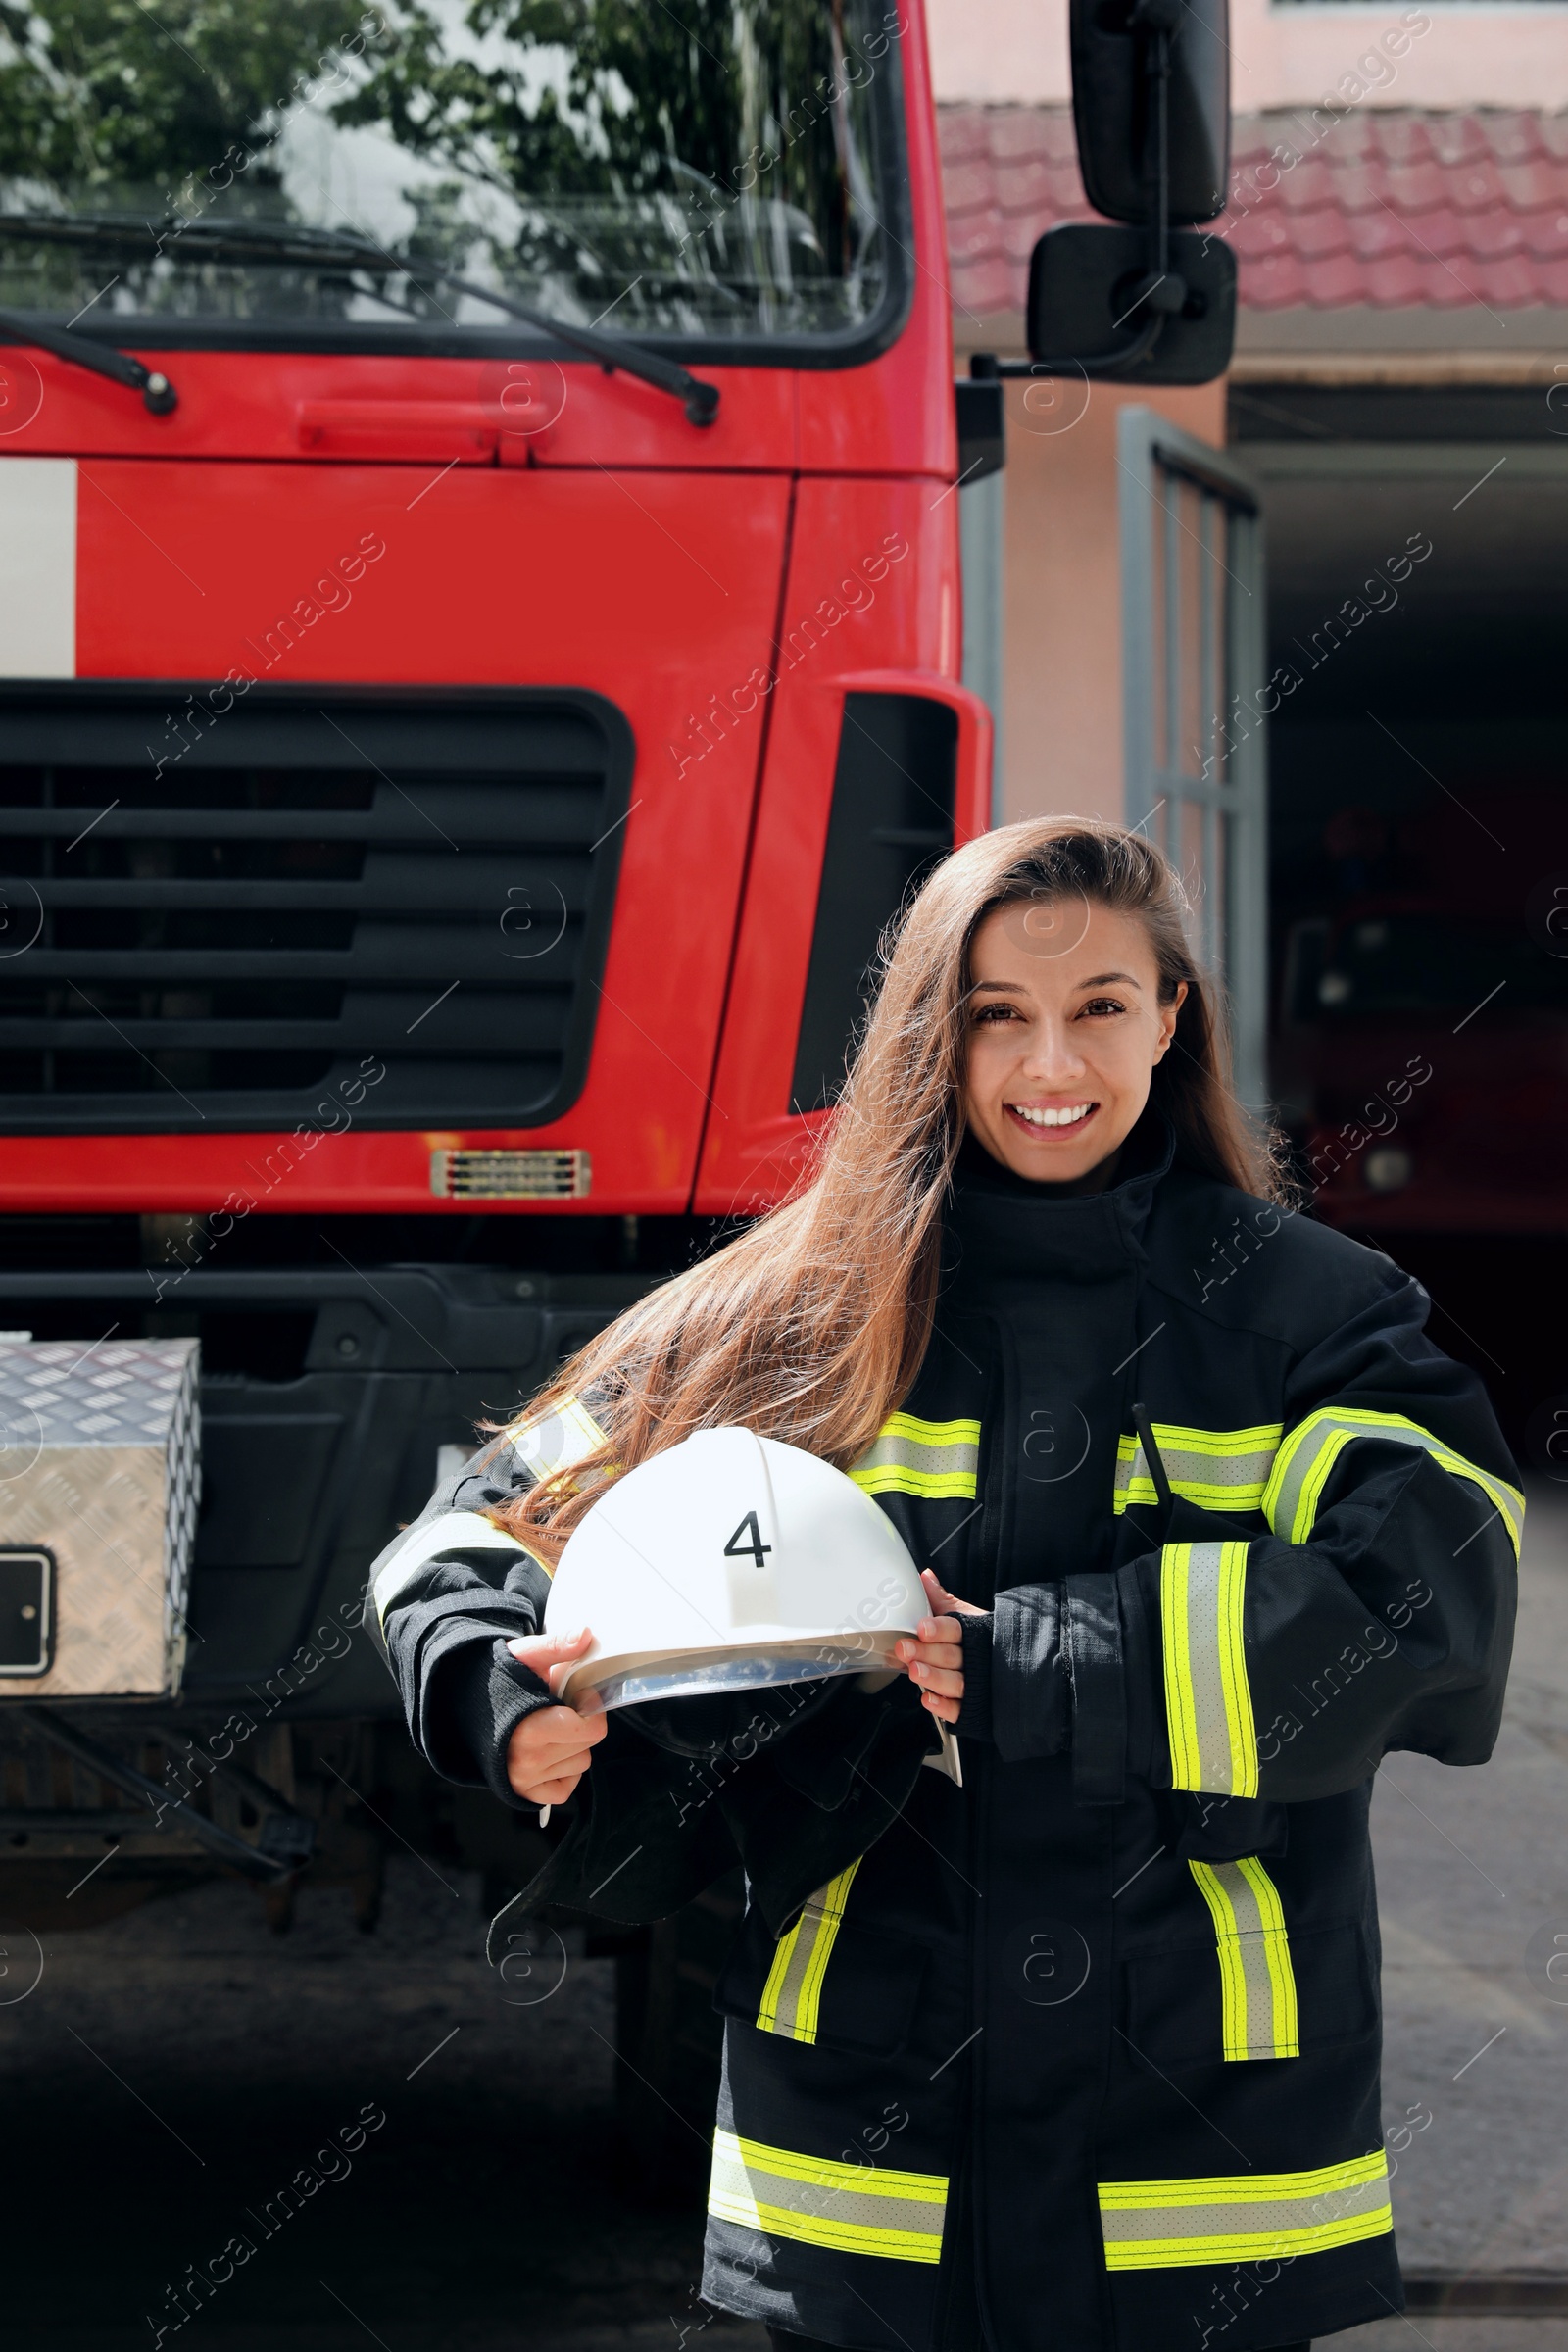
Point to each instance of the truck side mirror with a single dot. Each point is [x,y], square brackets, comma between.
[1082,286]
[1112,91]
[1151,99]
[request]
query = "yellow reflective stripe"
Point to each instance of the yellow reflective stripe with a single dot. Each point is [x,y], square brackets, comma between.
[1219,1469]
[1257,1983]
[912,1457]
[833,1898]
[1209,1705]
[792,1997]
[931,1432]
[1309,1454]
[556,1440]
[776,1990]
[891,1478]
[1160,2225]
[854,2208]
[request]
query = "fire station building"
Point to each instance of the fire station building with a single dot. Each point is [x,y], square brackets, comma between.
[1306,622]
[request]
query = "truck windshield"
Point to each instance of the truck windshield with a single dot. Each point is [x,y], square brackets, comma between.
[714,172]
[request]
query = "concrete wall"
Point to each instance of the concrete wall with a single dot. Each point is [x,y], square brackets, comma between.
[1061,729]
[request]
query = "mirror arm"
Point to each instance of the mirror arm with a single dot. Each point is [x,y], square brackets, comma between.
[985,364]
[1170,290]
[1156,66]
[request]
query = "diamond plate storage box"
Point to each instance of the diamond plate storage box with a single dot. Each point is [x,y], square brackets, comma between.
[99,1473]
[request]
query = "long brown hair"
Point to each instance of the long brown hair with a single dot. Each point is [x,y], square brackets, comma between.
[811,1327]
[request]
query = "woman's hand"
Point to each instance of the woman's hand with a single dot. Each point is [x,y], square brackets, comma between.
[934,1658]
[549,1752]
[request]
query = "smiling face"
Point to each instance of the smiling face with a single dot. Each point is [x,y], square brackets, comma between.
[1065,1028]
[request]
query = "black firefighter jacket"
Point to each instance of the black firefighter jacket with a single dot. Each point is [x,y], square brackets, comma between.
[1082,2054]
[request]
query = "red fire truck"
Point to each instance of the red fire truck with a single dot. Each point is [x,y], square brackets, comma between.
[479,575]
[479,668]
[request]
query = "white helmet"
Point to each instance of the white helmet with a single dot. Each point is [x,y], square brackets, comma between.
[728,1563]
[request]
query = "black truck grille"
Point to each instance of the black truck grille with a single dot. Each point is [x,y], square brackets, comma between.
[322,883]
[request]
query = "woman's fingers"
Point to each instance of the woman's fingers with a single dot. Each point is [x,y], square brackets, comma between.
[937,1639]
[945,1681]
[550,1750]
[551,1733]
[945,1602]
[553,1656]
[933,1656]
[933,1660]
[546,1781]
[561,1726]
[541,1651]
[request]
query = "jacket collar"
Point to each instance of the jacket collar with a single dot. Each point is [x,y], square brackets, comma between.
[1001,1225]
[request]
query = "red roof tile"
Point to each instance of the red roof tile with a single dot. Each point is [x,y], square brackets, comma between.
[1391,209]
[1321,233]
[1394,282]
[1337,284]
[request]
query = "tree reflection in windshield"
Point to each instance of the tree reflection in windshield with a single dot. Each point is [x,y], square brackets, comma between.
[712,171]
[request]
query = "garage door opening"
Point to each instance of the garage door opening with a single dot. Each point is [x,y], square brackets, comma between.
[1418,834]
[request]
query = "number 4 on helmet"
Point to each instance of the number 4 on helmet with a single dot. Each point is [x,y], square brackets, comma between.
[728,1563]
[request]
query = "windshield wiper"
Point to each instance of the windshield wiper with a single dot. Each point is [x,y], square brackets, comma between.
[227,240]
[102,358]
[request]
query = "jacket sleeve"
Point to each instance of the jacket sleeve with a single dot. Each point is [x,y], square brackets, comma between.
[1377,1612]
[449,1592]
[1373,1612]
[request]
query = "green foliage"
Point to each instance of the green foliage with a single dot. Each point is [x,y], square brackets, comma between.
[569,97]
[700,162]
[594,95]
[102,96]
[587,98]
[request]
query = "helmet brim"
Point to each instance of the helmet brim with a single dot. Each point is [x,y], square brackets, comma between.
[634,1678]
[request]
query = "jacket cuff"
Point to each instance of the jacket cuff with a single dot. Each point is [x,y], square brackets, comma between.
[474,1697]
[1031,1697]
[974,1708]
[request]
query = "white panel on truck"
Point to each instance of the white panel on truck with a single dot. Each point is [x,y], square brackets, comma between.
[37,568]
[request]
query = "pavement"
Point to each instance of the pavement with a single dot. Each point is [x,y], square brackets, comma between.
[173,2069]
[1472,1874]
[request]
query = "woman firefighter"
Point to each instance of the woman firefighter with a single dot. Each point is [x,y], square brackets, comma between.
[1212,1527]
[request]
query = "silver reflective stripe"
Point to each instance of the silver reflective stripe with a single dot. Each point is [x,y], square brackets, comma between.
[1164,2225]
[453,1531]
[792,1997]
[1257,1983]
[911,1457]
[854,2208]
[1309,1454]
[555,1441]
[1209,1705]
[1219,1469]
